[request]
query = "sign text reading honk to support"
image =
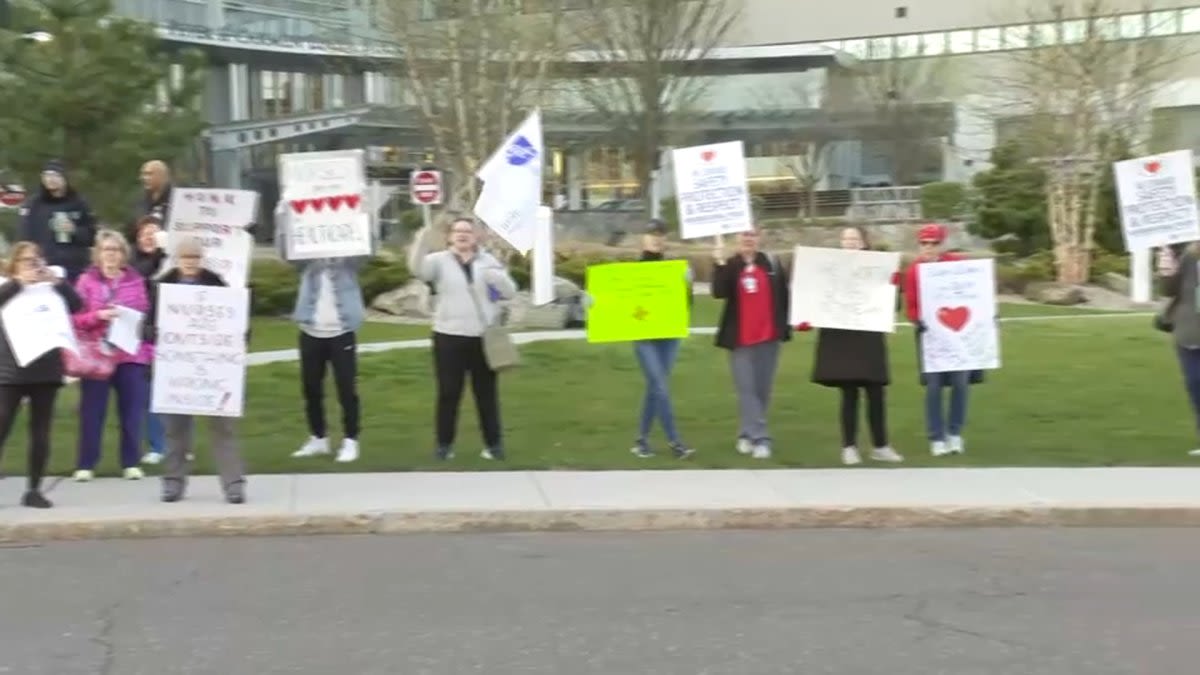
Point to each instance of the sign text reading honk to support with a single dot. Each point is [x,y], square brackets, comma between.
[200,357]
[327,214]
[637,301]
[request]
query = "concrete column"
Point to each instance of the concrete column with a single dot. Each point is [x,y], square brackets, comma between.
[574,179]
[1140,276]
[227,169]
[238,85]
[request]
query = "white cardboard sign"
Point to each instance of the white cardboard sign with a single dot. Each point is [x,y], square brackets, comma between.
[200,356]
[325,194]
[711,190]
[219,219]
[1157,196]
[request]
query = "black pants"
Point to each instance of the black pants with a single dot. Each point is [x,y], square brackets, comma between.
[341,353]
[876,414]
[41,412]
[454,356]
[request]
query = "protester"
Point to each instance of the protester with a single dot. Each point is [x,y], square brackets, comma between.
[466,281]
[656,358]
[329,311]
[60,221]
[944,439]
[149,256]
[109,283]
[39,380]
[189,252]
[855,361]
[156,195]
[754,321]
[1181,317]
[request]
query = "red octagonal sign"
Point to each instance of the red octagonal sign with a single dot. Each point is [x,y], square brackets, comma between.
[425,188]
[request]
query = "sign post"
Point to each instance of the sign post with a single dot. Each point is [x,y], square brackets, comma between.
[425,188]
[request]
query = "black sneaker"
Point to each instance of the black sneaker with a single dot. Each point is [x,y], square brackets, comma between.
[35,500]
[681,451]
[235,498]
[172,496]
[444,453]
[642,450]
[496,453]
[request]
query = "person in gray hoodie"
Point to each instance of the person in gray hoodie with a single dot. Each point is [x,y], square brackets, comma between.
[467,281]
[1178,269]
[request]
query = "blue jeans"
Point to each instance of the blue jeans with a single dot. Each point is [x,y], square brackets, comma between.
[657,358]
[1189,366]
[959,383]
[156,435]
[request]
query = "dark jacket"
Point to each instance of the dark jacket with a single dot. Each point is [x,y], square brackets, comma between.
[1181,313]
[148,205]
[172,276]
[147,264]
[36,225]
[851,358]
[48,368]
[724,287]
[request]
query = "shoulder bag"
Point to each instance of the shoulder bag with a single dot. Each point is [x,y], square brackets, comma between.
[499,350]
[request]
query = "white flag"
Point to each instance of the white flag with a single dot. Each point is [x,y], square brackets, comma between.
[512,185]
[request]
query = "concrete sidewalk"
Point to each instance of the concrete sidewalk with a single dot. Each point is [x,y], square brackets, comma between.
[614,500]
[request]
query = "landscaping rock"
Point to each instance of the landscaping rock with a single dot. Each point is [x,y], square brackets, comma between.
[412,300]
[1050,293]
[1115,282]
[521,314]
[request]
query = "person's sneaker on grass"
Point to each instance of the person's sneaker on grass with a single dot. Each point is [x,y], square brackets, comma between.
[640,449]
[681,451]
[761,451]
[850,456]
[313,447]
[496,453]
[955,445]
[938,449]
[444,453]
[1194,453]
[744,446]
[886,454]
[348,452]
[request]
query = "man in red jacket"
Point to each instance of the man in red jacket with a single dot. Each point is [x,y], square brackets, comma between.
[944,439]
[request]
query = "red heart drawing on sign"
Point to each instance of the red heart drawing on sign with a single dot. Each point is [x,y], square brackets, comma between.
[334,202]
[1153,166]
[299,205]
[317,204]
[708,155]
[352,201]
[954,318]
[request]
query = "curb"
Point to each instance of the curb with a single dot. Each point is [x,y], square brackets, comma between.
[647,520]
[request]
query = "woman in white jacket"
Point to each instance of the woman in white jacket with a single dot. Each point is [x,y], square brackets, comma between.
[467,282]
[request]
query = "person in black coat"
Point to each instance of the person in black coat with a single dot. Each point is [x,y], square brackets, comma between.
[39,380]
[59,220]
[855,361]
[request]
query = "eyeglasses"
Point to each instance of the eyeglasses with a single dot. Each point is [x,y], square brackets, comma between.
[29,259]
[113,249]
[189,256]
[929,243]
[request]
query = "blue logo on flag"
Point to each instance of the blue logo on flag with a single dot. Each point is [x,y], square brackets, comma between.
[521,152]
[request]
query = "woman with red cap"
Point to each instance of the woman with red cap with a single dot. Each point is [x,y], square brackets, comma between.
[944,438]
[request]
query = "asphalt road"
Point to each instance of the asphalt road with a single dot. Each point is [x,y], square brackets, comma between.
[988,602]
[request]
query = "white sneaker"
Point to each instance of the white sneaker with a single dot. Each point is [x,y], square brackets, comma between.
[152,458]
[313,447]
[744,446]
[83,476]
[348,452]
[1194,453]
[886,454]
[850,456]
[938,449]
[956,445]
[133,473]
[761,451]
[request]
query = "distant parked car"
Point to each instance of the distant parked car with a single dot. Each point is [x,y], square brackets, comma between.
[621,205]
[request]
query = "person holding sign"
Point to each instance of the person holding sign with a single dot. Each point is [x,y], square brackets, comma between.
[465,279]
[944,439]
[189,252]
[329,310]
[754,321]
[656,358]
[856,361]
[110,288]
[1181,316]
[40,379]
[149,255]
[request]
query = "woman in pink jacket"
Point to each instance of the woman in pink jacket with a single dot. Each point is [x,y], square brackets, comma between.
[109,283]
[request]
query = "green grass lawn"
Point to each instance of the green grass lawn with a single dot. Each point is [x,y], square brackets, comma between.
[1093,392]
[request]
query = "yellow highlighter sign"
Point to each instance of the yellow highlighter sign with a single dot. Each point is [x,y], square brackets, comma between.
[637,301]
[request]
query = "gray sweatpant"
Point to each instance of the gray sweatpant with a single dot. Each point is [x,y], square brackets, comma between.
[181,434]
[754,377]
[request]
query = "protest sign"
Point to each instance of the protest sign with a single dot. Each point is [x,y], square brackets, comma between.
[839,288]
[1157,196]
[637,301]
[325,197]
[200,356]
[958,308]
[542,265]
[36,321]
[218,218]
[711,190]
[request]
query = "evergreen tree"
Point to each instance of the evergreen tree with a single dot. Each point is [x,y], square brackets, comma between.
[1011,201]
[102,95]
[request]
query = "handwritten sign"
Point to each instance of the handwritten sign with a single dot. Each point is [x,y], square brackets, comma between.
[325,194]
[837,288]
[637,301]
[710,190]
[200,357]
[36,321]
[218,218]
[1157,196]
[958,307]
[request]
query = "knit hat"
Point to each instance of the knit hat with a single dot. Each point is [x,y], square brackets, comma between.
[931,232]
[656,226]
[55,166]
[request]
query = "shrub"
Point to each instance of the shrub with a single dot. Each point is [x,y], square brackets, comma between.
[943,201]
[276,283]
